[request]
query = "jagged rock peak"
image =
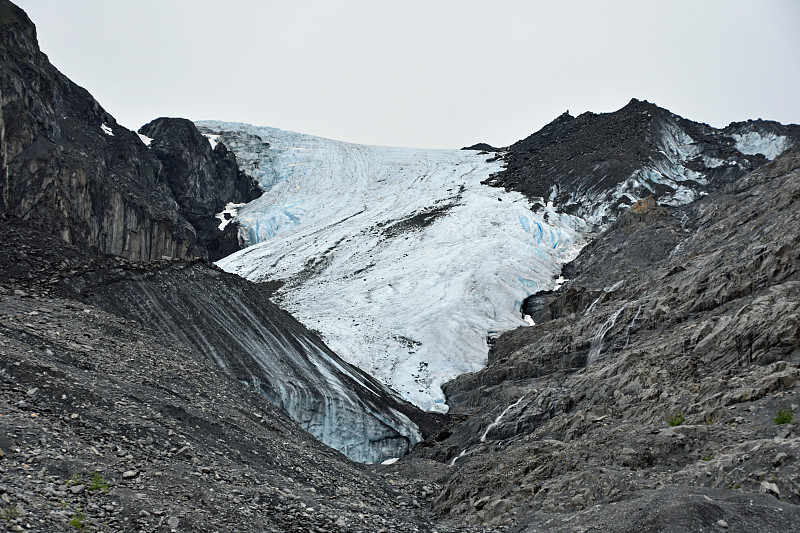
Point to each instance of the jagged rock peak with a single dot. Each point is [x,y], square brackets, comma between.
[71,167]
[203,179]
[596,165]
[67,165]
[482,147]
[17,30]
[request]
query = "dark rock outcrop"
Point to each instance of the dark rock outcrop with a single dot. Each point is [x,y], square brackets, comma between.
[68,165]
[595,165]
[202,179]
[71,167]
[482,147]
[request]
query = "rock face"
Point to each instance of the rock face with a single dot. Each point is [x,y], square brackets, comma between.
[69,166]
[662,363]
[203,180]
[594,164]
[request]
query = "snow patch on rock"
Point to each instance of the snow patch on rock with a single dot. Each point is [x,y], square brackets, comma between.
[213,140]
[227,215]
[145,139]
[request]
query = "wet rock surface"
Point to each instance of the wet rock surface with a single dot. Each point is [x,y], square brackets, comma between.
[688,410]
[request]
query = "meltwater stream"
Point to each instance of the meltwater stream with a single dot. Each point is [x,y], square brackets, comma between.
[596,346]
[500,417]
[494,424]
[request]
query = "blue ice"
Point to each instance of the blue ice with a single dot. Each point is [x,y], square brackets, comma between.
[525,224]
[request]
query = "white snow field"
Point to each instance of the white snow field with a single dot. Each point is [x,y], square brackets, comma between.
[399,257]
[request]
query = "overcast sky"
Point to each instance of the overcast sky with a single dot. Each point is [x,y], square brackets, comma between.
[428,73]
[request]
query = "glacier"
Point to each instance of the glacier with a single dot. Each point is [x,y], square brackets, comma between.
[400,258]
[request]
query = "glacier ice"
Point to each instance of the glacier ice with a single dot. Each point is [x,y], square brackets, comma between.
[399,257]
[768,144]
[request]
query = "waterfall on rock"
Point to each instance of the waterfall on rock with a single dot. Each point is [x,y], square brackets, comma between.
[597,340]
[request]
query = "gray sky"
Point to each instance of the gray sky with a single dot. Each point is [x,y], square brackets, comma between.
[425,73]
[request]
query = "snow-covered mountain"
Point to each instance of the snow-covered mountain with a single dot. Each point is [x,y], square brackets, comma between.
[400,258]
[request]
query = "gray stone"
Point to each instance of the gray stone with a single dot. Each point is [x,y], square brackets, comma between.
[779,459]
[770,488]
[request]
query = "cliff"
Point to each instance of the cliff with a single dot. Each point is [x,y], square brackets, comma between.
[69,166]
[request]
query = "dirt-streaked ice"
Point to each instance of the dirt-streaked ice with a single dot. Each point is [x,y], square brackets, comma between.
[399,257]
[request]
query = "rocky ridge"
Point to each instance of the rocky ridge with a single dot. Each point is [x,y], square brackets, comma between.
[597,165]
[234,323]
[68,165]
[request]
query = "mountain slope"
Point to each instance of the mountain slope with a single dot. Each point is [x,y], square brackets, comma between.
[234,324]
[400,258]
[660,365]
[230,322]
[68,165]
[72,170]
[114,425]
